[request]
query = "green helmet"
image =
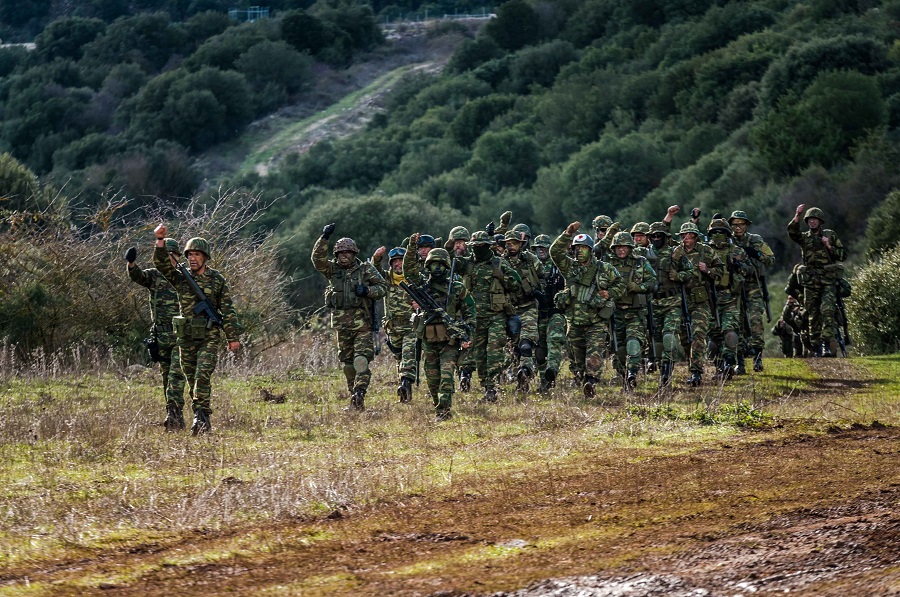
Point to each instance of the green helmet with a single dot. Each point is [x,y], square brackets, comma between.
[480,237]
[197,244]
[459,233]
[345,244]
[521,229]
[542,240]
[623,239]
[640,228]
[739,215]
[719,225]
[601,222]
[440,255]
[689,228]
[172,246]
[814,212]
[659,227]
[516,235]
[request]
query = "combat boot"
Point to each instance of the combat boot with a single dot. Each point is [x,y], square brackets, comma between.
[548,381]
[631,379]
[490,395]
[726,370]
[174,418]
[523,378]
[465,380]
[651,365]
[588,388]
[405,390]
[741,368]
[443,413]
[358,400]
[696,379]
[757,361]
[201,423]
[665,373]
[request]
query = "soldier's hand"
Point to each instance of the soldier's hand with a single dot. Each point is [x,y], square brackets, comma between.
[379,253]
[826,241]
[634,287]
[131,255]
[703,267]
[604,294]
[361,290]
[505,217]
[328,230]
[695,214]
[234,345]
[573,228]
[537,294]
[466,345]
[800,208]
[673,209]
[490,228]
[673,275]
[414,239]
[161,232]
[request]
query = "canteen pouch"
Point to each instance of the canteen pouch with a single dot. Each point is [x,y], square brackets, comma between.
[180,326]
[699,294]
[197,328]
[844,289]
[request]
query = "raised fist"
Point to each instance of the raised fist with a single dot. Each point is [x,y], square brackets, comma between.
[505,217]
[573,228]
[161,232]
[328,230]
[801,208]
[379,253]
[695,213]
[673,209]
[131,255]
[489,229]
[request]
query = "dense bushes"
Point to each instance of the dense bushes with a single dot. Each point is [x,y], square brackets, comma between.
[874,308]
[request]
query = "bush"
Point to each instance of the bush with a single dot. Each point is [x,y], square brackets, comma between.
[882,232]
[874,293]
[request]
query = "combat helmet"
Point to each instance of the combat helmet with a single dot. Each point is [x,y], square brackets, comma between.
[719,225]
[516,235]
[425,240]
[345,244]
[459,233]
[439,255]
[814,212]
[659,227]
[396,253]
[197,244]
[640,228]
[542,240]
[480,237]
[623,239]
[739,215]
[522,229]
[689,228]
[172,246]
[583,239]
[601,222]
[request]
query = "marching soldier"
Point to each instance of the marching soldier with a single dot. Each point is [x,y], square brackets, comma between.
[604,231]
[397,322]
[164,306]
[530,271]
[458,248]
[198,335]
[551,319]
[353,288]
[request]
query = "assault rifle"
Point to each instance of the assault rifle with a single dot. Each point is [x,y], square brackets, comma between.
[204,307]
[686,315]
[760,280]
[455,329]
[844,340]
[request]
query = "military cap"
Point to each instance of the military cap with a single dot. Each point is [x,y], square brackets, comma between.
[522,229]
[198,244]
[622,239]
[438,254]
[425,240]
[814,212]
[542,240]
[602,222]
[640,228]
[459,233]
[345,244]
[659,227]
[480,237]
[689,228]
[583,240]
[738,215]
[719,225]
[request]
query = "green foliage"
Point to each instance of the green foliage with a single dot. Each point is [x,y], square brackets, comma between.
[18,184]
[882,234]
[474,53]
[276,63]
[517,25]
[223,50]
[538,65]
[474,117]
[304,31]
[66,37]
[432,158]
[873,309]
[505,159]
[148,40]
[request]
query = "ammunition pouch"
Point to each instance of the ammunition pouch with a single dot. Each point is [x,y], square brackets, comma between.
[190,329]
[639,300]
[835,271]
[843,288]
[563,299]
[436,332]
[699,294]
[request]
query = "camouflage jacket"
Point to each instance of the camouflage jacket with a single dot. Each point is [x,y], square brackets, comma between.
[637,270]
[164,303]
[348,311]
[580,298]
[213,285]
[753,244]
[737,269]
[821,264]
[703,253]
[552,282]
[671,262]
[530,271]
[492,284]
[398,308]
[602,245]
[460,307]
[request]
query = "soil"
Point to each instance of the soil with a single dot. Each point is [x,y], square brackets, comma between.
[777,511]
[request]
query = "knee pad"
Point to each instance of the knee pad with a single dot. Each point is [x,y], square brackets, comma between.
[360,364]
[633,347]
[349,371]
[731,340]
[669,341]
[525,347]
[513,325]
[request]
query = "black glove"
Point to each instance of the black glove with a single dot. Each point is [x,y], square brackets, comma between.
[537,294]
[489,229]
[753,252]
[695,213]
[328,230]
[362,290]
[131,255]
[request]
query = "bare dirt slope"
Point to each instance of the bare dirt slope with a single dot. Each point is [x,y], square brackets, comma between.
[777,511]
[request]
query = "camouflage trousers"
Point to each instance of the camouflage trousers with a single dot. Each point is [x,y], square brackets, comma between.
[701,319]
[529,331]
[488,345]
[198,361]
[726,337]
[172,375]
[405,340]
[440,361]
[631,327]
[667,320]
[353,344]
[821,303]
[588,348]
[551,342]
[755,308]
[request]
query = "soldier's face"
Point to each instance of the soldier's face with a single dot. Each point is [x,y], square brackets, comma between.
[622,251]
[582,253]
[601,232]
[658,240]
[196,260]
[813,223]
[542,253]
[739,227]
[459,247]
[641,239]
[513,247]
[689,239]
[423,252]
[397,266]
[345,258]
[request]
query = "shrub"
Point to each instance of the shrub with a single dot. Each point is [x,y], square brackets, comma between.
[874,292]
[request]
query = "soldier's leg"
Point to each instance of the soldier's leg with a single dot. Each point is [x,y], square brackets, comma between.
[636,339]
[669,328]
[578,349]
[478,352]
[495,357]
[431,363]
[188,350]
[700,318]
[595,338]
[207,358]
[620,359]
[812,300]
[730,313]
[827,310]
[363,354]
[466,365]
[345,340]
[540,351]
[449,355]
[528,339]
[170,356]
[556,344]
[407,366]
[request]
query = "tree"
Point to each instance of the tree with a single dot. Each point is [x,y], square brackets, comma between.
[306,32]
[876,334]
[18,184]
[66,37]
[881,233]
[517,25]
[505,159]
[275,62]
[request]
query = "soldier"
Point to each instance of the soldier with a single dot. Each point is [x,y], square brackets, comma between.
[707,269]
[761,258]
[589,299]
[457,246]
[793,329]
[426,244]
[631,307]
[822,254]
[441,340]
[198,337]
[551,319]
[456,242]
[728,294]
[673,269]
[604,231]
[397,322]
[353,288]
[164,306]
[494,283]
[530,271]
[639,233]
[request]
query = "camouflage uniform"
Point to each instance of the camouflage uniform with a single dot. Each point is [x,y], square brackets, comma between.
[604,231]
[397,322]
[631,308]
[699,302]
[761,258]
[819,277]
[726,336]
[673,269]
[793,329]
[587,312]
[351,314]
[551,319]
[198,343]
[440,343]
[466,364]
[493,284]
[164,306]
[530,271]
